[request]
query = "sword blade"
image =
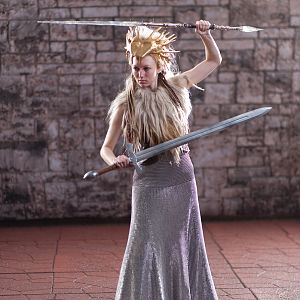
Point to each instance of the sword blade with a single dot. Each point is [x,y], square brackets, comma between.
[158,149]
[163,147]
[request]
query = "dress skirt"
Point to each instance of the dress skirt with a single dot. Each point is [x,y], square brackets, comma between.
[165,256]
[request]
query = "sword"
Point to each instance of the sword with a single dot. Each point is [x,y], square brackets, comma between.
[142,155]
[150,24]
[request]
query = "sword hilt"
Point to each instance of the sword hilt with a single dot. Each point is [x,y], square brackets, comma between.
[132,158]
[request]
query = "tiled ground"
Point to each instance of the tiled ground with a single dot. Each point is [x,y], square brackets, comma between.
[249,260]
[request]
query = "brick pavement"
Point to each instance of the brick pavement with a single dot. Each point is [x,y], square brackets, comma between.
[249,260]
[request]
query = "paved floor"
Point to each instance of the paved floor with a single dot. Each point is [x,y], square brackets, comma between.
[249,260]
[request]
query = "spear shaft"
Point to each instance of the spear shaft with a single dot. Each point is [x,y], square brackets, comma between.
[150,24]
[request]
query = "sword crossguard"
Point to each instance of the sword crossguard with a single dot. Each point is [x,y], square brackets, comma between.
[133,158]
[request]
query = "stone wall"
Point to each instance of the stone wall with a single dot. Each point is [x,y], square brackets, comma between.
[56,83]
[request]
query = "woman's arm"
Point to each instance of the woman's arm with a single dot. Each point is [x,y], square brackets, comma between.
[212,53]
[111,139]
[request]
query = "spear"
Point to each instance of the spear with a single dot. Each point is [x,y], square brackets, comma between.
[151,24]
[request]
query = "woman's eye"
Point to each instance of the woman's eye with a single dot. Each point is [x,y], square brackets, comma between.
[136,69]
[146,69]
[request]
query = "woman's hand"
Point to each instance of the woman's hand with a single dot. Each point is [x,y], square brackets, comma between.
[202,27]
[122,161]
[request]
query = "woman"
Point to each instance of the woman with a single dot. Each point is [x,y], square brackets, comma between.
[165,256]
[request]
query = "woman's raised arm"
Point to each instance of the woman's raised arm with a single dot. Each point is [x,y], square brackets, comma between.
[212,55]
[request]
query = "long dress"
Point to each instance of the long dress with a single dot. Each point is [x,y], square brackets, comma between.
[165,256]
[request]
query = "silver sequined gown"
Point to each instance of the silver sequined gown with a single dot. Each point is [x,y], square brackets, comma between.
[165,257]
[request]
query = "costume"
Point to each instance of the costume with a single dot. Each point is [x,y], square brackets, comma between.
[165,257]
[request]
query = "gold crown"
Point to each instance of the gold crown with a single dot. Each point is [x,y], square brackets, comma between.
[141,41]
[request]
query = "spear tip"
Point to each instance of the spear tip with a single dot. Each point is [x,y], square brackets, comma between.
[250,29]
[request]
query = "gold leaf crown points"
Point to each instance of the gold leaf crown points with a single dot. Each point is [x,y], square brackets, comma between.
[157,42]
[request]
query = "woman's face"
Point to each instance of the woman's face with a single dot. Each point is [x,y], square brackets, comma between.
[145,72]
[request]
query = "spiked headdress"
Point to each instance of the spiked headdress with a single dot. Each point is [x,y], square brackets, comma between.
[141,41]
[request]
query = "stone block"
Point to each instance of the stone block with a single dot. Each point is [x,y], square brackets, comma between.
[98,12]
[295,21]
[233,207]
[76,133]
[276,138]
[242,175]
[80,52]
[272,13]
[97,33]
[27,36]
[205,114]
[214,181]
[276,122]
[12,89]
[219,93]
[32,161]
[277,33]
[17,64]
[58,47]
[25,9]
[142,11]
[86,97]
[58,161]
[107,88]
[237,60]
[43,85]
[6,160]
[252,156]
[188,44]
[61,198]
[245,141]
[106,56]
[189,59]
[294,7]
[4,10]
[47,3]
[216,152]
[190,13]
[52,134]
[250,88]
[219,15]
[62,32]
[54,13]
[235,192]
[285,60]
[76,13]
[207,2]
[297,45]
[76,162]
[106,46]
[269,187]
[278,82]
[210,207]
[296,87]
[23,128]
[236,44]
[265,55]
[239,36]
[88,3]
[166,2]
[280,162]
[227,77]
[4,45]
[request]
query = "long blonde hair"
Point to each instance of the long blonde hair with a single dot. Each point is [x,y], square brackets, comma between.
[153,117]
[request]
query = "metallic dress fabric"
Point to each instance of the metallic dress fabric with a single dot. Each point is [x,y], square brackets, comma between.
[165,256]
